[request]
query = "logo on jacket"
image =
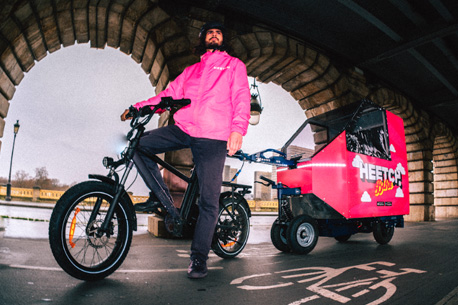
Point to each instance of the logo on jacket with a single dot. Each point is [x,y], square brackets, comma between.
[221,68]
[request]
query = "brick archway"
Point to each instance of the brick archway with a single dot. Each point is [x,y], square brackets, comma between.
[445,171]
[160,43]
[419,150]
[309,76]
[142,30]
[160,40]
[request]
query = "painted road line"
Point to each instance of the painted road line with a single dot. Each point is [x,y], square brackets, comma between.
[41,268]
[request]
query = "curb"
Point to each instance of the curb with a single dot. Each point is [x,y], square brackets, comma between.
[26,204]
[450,299]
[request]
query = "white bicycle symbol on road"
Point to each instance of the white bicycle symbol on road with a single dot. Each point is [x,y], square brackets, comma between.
[327,286]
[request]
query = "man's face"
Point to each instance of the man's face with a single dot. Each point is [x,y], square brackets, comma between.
[213,38]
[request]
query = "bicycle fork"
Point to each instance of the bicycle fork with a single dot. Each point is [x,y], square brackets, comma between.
[104,228]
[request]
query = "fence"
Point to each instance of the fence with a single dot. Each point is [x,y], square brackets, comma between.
[38,195]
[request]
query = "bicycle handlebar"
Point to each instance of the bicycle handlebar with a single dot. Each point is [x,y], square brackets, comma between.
[166,103]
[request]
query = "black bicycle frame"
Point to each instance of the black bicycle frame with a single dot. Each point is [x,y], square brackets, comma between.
[190,196]
[192,191]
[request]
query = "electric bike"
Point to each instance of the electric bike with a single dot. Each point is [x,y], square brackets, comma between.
[90,230]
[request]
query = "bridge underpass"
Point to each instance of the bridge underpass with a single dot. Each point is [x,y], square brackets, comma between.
[159,35]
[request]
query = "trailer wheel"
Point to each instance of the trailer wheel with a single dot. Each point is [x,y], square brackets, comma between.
[302,234]
[382,232]
[279,237]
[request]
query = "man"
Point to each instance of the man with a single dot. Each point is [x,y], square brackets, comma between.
[212,126]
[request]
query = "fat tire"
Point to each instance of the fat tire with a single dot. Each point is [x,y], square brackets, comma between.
[382,233]
[78,253]
[228,243]
[279,238]
[302,234]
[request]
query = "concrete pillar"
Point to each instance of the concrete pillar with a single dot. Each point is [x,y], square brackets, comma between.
[445,177]
[36,193]
[420,185]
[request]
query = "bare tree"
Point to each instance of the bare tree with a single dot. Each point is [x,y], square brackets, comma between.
[23,179]
[41,177]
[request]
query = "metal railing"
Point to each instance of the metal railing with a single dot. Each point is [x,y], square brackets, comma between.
[38,195]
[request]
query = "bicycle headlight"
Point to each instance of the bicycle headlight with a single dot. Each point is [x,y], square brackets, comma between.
[107,162]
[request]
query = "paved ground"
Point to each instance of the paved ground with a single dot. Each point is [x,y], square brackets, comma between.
[419,266]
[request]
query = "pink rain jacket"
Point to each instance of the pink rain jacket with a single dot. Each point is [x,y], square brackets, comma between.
[219,93]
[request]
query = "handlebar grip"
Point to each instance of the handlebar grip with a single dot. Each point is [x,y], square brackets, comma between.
[168,102]
[183,102]
[132,112]
[144,111]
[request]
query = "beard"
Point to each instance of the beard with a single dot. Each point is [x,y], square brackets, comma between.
[213,45]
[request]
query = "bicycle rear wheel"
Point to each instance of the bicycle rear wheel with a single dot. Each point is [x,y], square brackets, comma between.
[232,229]
[73,236]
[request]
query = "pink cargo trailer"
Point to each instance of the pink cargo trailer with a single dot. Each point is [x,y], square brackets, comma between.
[354,180]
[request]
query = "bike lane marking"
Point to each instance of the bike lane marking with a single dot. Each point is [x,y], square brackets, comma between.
[35,268]
[248,287]
[326,274]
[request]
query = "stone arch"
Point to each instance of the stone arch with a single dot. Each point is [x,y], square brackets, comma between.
[319,86]
[138,28]
[419,151]
[160,38]
[154,39]
[445,171]
[308,75]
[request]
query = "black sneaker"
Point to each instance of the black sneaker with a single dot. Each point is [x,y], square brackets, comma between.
[152,205]
[197,269]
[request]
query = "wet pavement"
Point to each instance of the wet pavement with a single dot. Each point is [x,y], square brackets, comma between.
[30,220]
[419,266]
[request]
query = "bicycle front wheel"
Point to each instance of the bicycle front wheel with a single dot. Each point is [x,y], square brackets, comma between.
[73,228]
[232,229]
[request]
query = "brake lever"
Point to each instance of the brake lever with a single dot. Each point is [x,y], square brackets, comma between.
[265,184]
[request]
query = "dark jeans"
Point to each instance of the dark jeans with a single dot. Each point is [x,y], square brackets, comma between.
[209,157]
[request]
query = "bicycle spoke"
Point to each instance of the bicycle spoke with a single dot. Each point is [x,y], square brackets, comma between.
[83,243]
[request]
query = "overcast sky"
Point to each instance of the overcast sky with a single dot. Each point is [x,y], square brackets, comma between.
[69,108]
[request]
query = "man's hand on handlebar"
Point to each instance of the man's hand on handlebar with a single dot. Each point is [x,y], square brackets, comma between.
[125,115]
[166,103]
[128,114]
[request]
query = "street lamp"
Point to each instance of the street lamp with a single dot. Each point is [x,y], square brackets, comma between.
[255,105]
[8,185]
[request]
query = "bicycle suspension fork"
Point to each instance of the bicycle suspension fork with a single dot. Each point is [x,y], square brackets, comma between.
[119,191]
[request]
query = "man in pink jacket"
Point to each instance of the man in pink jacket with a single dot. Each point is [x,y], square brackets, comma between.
[212,126]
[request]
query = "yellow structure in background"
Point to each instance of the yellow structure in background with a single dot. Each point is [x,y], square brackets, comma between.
[38,195]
